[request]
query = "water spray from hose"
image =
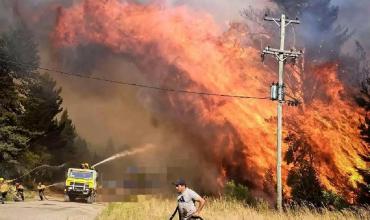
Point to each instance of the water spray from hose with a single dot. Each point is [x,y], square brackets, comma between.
[55,184]
[42,166]
[124,154]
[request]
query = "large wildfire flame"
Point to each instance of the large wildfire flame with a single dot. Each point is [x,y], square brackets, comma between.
[189,50]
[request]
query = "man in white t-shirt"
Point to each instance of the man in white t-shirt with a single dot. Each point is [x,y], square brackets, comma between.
[186,201]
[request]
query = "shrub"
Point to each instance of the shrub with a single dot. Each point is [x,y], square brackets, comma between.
[330,198]
[239,192]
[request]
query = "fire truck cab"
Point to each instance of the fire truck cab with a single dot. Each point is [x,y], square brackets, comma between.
[81,184]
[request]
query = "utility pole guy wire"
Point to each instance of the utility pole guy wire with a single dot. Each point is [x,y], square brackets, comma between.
[278,93]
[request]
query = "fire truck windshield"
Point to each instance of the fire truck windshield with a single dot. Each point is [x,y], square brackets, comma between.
[81,175]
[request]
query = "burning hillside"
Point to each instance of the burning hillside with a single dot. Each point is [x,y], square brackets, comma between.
[177,47]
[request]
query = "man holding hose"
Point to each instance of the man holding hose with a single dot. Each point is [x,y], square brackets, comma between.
[186,201]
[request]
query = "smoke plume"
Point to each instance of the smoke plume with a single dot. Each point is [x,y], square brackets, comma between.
[188,45]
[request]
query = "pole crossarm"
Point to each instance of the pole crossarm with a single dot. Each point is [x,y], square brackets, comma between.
[278,21]
[286,53]
[291,53]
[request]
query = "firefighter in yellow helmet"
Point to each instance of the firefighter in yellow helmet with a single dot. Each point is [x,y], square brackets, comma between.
[4,188]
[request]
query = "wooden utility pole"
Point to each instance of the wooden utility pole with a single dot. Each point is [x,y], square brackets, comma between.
[278,93]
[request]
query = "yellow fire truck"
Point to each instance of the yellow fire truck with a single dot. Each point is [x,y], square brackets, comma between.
[81,184]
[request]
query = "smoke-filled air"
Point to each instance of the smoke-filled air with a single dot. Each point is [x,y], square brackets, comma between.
[176,46]
[199,94]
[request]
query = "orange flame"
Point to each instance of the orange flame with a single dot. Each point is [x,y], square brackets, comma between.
[206,60]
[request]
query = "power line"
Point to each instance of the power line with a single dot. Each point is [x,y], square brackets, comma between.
[164,89]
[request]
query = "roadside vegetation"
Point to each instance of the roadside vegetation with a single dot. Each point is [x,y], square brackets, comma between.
[221,208]
[236,203]
[28,194]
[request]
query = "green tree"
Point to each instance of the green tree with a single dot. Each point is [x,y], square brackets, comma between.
[18,52]
[30,102]
[13,143]
[362,66]
[61,141]
[239,192]
[302,177]
[331,199]
[70,147]
[18,57]
[16,47]
[42,104]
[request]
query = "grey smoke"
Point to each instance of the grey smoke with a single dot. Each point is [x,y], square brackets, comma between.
[355,15]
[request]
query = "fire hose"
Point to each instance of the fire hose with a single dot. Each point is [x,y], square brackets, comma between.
[18,194]
[39,167]
[177,210]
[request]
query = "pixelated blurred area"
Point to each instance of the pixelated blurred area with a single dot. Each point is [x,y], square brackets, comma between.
[135,182]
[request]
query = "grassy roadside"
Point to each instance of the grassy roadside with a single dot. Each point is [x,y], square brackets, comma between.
[217,209]
[28,194]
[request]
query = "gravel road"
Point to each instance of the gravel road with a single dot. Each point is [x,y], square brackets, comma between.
[52,209]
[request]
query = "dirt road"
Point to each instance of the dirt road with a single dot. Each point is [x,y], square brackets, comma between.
[52,209]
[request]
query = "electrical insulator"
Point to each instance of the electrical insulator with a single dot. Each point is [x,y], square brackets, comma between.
[274,91]
[294,103]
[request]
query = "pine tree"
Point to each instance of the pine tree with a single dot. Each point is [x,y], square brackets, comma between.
[30,102]
[13,143]
[60,141]
[42,103]
[68,130]
[18,51]
[16,47]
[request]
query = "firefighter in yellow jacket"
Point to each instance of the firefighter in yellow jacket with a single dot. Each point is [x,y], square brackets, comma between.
[4,188]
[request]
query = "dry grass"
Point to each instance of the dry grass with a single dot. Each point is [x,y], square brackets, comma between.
[28,195]
[217,209]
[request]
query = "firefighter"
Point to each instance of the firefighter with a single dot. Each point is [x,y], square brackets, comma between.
[20,190]
[4,188]
[41,189]
[82,166]
[87,166]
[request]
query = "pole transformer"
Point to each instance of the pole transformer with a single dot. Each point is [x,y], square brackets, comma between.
[278,91]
